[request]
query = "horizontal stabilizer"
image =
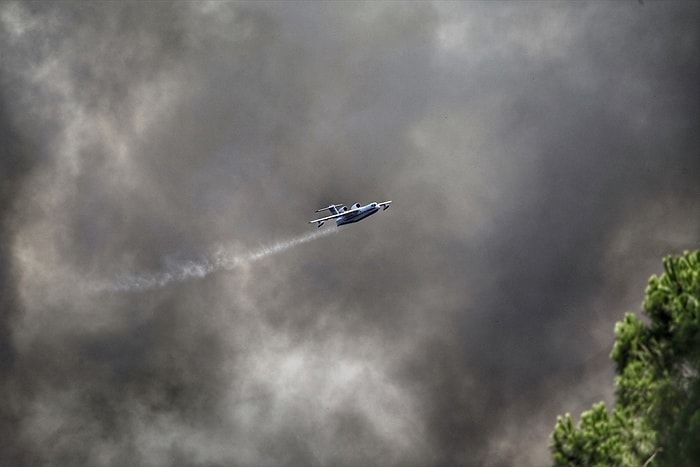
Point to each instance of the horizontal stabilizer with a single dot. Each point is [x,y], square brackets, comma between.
[330,207]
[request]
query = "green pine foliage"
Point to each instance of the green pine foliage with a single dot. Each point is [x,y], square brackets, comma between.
[656,419]
[601,439]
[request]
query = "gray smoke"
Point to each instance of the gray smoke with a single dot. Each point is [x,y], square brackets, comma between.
[542,158]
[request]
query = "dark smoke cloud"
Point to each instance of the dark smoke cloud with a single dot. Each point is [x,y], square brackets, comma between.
[542,159]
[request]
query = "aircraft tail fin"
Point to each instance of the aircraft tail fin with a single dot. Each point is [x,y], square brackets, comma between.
[333,208]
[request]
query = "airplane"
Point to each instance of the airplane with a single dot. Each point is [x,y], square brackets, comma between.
[356,213]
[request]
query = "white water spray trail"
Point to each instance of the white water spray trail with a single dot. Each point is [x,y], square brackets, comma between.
[224,259]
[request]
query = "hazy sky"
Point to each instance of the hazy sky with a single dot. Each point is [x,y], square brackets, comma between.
[542,158]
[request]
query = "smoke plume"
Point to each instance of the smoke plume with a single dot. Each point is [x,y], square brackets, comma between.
[542,157]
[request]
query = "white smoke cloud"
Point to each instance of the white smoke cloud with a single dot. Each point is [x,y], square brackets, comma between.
[223,259]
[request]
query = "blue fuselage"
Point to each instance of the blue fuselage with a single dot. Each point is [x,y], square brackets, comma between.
[358,215]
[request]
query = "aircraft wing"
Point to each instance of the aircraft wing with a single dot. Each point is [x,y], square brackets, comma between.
[322,219]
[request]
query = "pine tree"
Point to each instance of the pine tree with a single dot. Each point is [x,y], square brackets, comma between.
[656,418]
